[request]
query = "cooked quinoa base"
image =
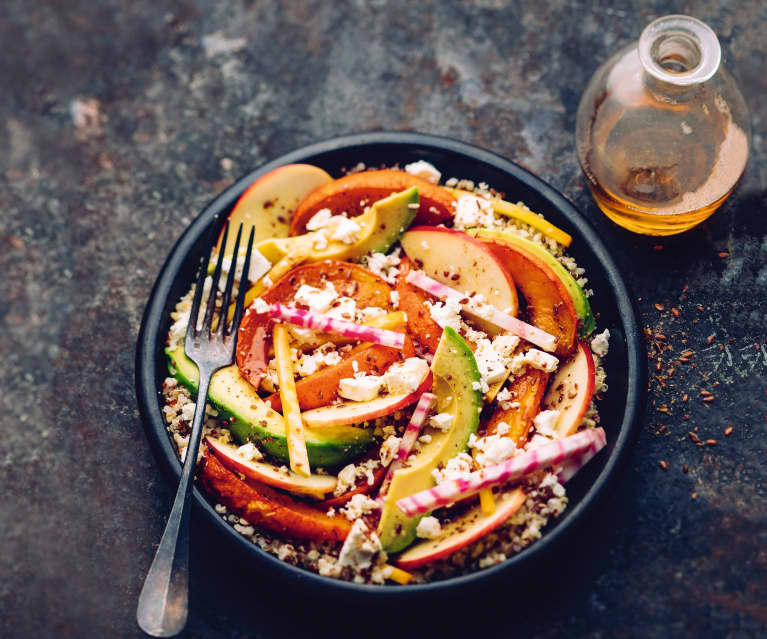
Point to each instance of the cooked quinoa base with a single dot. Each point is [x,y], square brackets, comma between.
[545,497]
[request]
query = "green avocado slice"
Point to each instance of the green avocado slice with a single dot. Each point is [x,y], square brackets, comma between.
[249,418]
[455,377]
[580,301]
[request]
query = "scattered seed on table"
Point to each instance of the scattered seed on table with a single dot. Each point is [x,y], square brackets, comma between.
[711,442]
[700,308]
[693,437]
[685,398]
[663,464]
[660,307]
[728,431]
[710,339]
[709,398]
[658,247]
[686,468]
[723,254]
[675,311]
[694,496]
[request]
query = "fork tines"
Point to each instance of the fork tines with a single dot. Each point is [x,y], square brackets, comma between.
[221,327]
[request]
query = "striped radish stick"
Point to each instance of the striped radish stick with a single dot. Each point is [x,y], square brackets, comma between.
[526,331]
[408,440]
[573,465]
[326,324]
[523,464]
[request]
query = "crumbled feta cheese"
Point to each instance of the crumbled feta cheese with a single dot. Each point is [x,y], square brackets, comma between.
[447,313]
[456,468]
[259,266]
[428,528]
[600,380]
[310,363]
[259,306]
[535,358]
[502,428]
[345,230]
[601,343]
[347,478]
[477,386]
[249,452]
[385,266]
[490,361]
[360,547]
[494,449]
[358,506]
[425,439]
[318,300]
[406,376]
[546,422]
[441,421]
[360,389]
[473,211]
[389,449]
[394,297]
[424,170]
[319,219]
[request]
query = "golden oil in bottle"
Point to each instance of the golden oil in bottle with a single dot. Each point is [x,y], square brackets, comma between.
[662,130]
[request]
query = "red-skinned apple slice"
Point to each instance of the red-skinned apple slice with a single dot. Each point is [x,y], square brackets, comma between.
[318,486]
[571,390]
[358,412]
[463,263]
[269,202]
[462,531]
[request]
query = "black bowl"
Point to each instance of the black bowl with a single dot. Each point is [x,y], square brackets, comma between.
[621,410]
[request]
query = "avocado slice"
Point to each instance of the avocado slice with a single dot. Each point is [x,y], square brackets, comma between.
[455,373]
[580,301]
[250,418]
[380,227]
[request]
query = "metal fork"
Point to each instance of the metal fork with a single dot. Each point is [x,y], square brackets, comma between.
[163,604]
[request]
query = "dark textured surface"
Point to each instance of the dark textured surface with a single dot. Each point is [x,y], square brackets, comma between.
[121,119]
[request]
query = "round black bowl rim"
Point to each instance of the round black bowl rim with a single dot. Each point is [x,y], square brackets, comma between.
[149,340]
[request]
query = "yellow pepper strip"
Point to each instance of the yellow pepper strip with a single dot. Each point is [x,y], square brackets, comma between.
[507,209]
[399,576]
[284,265]
[299,460]
[486,498]
[487,501]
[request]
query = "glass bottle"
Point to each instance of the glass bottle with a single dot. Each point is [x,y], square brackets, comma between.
[662,131]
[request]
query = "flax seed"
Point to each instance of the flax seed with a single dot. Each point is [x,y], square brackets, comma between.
[728,431]
[685,398]
[660,307]
[675,311]
[708,399]
[711,442]
[686,468]
[710,339]
[693,437]
[723,254]
[663,464]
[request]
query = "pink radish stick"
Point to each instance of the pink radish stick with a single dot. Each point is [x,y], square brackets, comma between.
[523,464]
[572,466]
[526,331]
[344,328]
[409,438]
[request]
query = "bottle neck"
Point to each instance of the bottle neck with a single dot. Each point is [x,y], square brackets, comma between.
[678,53]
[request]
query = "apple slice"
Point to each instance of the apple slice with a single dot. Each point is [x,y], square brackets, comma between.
[269,202]
[571,390]
[463,263]
[549,304]
[461,531]
[358,412]
[318,486]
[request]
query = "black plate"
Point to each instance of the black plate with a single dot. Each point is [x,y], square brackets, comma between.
[621,411]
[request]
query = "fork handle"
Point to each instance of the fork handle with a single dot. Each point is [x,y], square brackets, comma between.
[163,604]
